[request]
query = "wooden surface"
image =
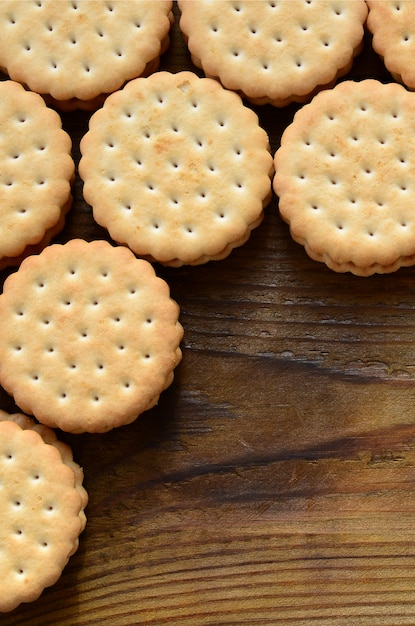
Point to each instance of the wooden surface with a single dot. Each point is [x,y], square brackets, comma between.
[274,482]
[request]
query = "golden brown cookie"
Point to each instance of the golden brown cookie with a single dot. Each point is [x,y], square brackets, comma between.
[42,501]
[74,52]
[274,51]
[392,23]
[36,173]
[177,168]
[345,176]
[89,336]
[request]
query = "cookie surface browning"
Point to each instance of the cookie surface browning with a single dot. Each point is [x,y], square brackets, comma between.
[274,51]
[42,501]
[90,336]
[177,168]
[344,177]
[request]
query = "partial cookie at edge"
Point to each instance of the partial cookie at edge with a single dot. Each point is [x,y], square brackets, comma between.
[43,510]
[90,337]
[344,177]
[36,175]
[274,52]
[82,50]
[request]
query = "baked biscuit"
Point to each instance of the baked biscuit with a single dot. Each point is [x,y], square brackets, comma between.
[345,175]
[89,336]
[43,508]
[274,51]
[74,52]
[392,23]
[36,174]
[177,168]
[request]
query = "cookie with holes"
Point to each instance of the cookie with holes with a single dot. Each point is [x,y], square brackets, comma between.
[345,175]
[177,168]
[274,51]
[36,174]
[74,52]
[89,338]
[392,23]
[43,502]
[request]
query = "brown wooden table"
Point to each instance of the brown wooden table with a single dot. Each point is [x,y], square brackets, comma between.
[274,482]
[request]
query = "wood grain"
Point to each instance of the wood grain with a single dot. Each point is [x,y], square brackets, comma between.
[274,482]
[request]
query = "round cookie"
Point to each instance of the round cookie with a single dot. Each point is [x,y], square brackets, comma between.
[89,336]
[392,23]
[36,174]
[42,501]
[345,175]
[177,168]
[74,52]
[274,51]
